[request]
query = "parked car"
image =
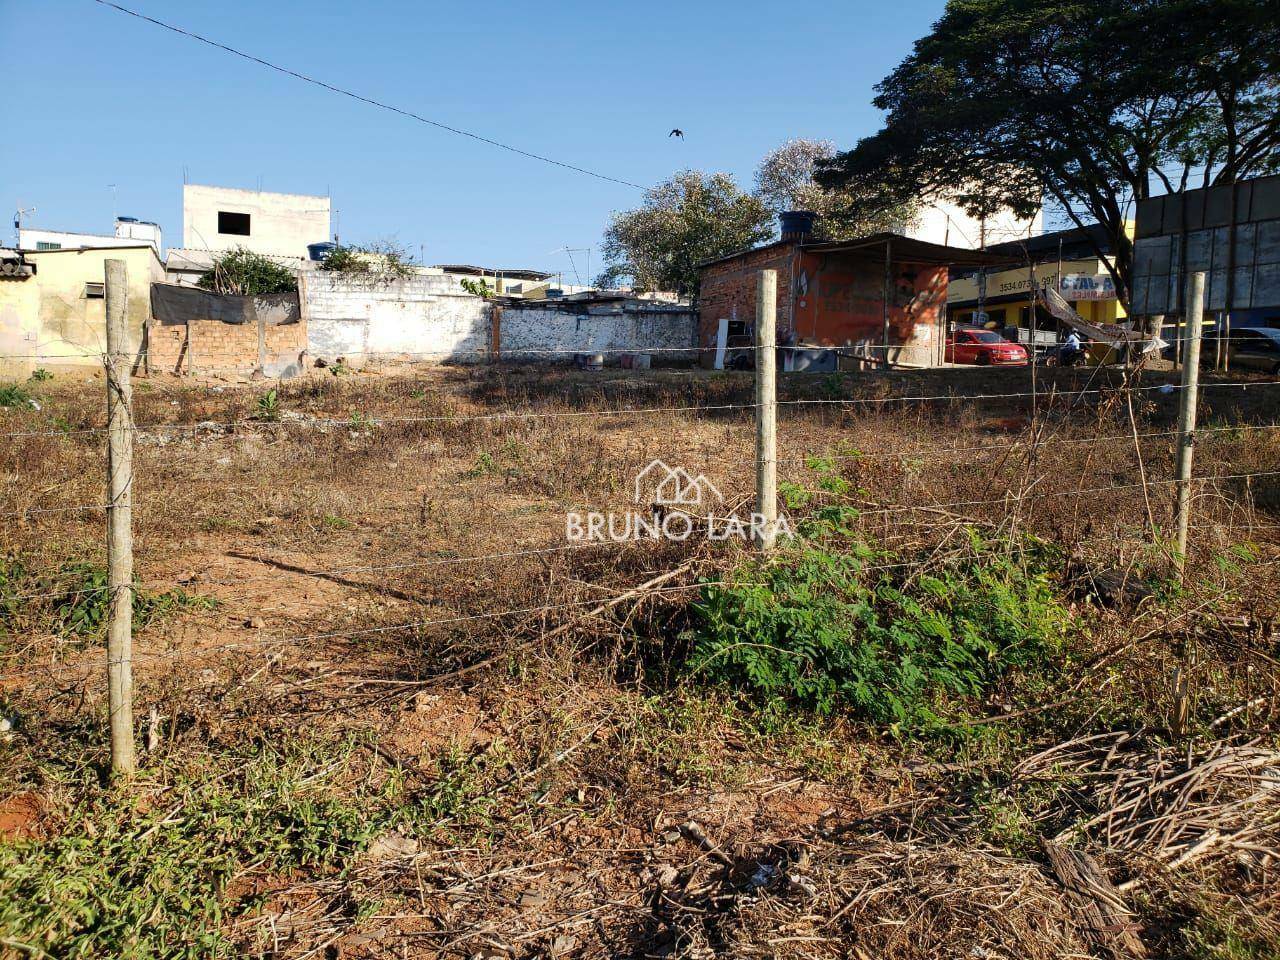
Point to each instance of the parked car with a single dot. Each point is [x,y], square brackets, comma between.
[1248,348]
[983,347]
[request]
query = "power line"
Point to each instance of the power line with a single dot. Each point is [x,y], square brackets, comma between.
[355,96]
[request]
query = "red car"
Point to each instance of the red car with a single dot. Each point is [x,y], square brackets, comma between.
[984,347]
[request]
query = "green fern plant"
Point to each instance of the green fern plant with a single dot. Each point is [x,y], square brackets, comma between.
[820,627]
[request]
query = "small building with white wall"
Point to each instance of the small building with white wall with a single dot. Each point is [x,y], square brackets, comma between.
[130,232]
[53,314]
[943,222]
[273,224]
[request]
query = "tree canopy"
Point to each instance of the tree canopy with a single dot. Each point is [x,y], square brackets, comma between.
[692,217]
[696,216]
[785,181]
[1094,103]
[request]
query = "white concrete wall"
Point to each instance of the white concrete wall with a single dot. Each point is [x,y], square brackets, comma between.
[943,222]
[428,318]
[608,328]
[279,223]
[141,230]
[29,237]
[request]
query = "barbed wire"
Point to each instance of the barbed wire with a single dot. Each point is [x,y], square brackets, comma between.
[387,628]
[332,572]
[852,350]
[358,421]
[416,624]
[445,561]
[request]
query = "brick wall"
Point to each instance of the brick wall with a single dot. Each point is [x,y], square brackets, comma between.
[836,299]
[211,346]
[728,290]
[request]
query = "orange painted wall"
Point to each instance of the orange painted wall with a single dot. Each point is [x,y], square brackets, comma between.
[840,299]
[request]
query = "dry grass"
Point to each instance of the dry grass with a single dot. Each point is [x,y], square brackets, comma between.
[536,768]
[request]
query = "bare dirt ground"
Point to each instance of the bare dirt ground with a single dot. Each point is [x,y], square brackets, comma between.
[389,711]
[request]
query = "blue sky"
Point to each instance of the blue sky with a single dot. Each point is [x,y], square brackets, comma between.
[93,97]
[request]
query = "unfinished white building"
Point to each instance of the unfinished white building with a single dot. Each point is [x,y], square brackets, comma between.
[275,224]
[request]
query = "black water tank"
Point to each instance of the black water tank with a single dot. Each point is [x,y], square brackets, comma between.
[796,224]
[318,251]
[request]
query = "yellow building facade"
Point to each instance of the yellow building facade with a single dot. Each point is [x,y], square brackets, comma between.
[1007,299]
[56,318]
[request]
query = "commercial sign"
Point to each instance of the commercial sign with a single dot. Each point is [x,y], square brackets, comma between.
[1015,281]
[1088,286]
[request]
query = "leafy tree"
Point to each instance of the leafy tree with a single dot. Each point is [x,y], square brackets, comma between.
[244,272]
[477,288]
[785,181]
[692,217]
[1091,102]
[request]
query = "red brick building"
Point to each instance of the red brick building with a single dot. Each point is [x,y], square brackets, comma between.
[877,296]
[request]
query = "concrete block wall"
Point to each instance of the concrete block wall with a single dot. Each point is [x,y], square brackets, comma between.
[424,317]
[555,332]
[213,347]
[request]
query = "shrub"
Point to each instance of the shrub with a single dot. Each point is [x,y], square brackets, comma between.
[267,408]
[384,262]
[12,395]
[73,601]
[477,288]
[119,881]
[816,627]
[247,273]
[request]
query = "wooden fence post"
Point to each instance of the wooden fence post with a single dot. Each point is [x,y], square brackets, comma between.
[767,406]
[1187,411]
[119,361]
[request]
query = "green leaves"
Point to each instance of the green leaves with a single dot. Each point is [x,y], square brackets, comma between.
[121,882]
[73,600]
[246,273]
[383,262]
[820,628]
[267,407]
[692,217]
[1088,101]
[12,395]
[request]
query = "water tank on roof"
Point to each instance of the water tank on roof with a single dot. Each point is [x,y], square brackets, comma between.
[318,251]
[796,224]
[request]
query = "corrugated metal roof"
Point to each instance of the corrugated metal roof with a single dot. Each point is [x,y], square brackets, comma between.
[903,248]
[506,274]
[912,250]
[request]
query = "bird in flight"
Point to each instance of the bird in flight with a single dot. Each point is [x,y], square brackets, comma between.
[677,132]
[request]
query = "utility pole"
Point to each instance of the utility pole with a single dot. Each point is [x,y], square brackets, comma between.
[119,519]
[1033,292]
[767,406]
[1187,411]
[888,278]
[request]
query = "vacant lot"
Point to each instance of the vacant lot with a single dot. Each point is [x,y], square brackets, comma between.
[388,710]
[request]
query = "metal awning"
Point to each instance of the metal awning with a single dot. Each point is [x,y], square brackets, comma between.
[910,250]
